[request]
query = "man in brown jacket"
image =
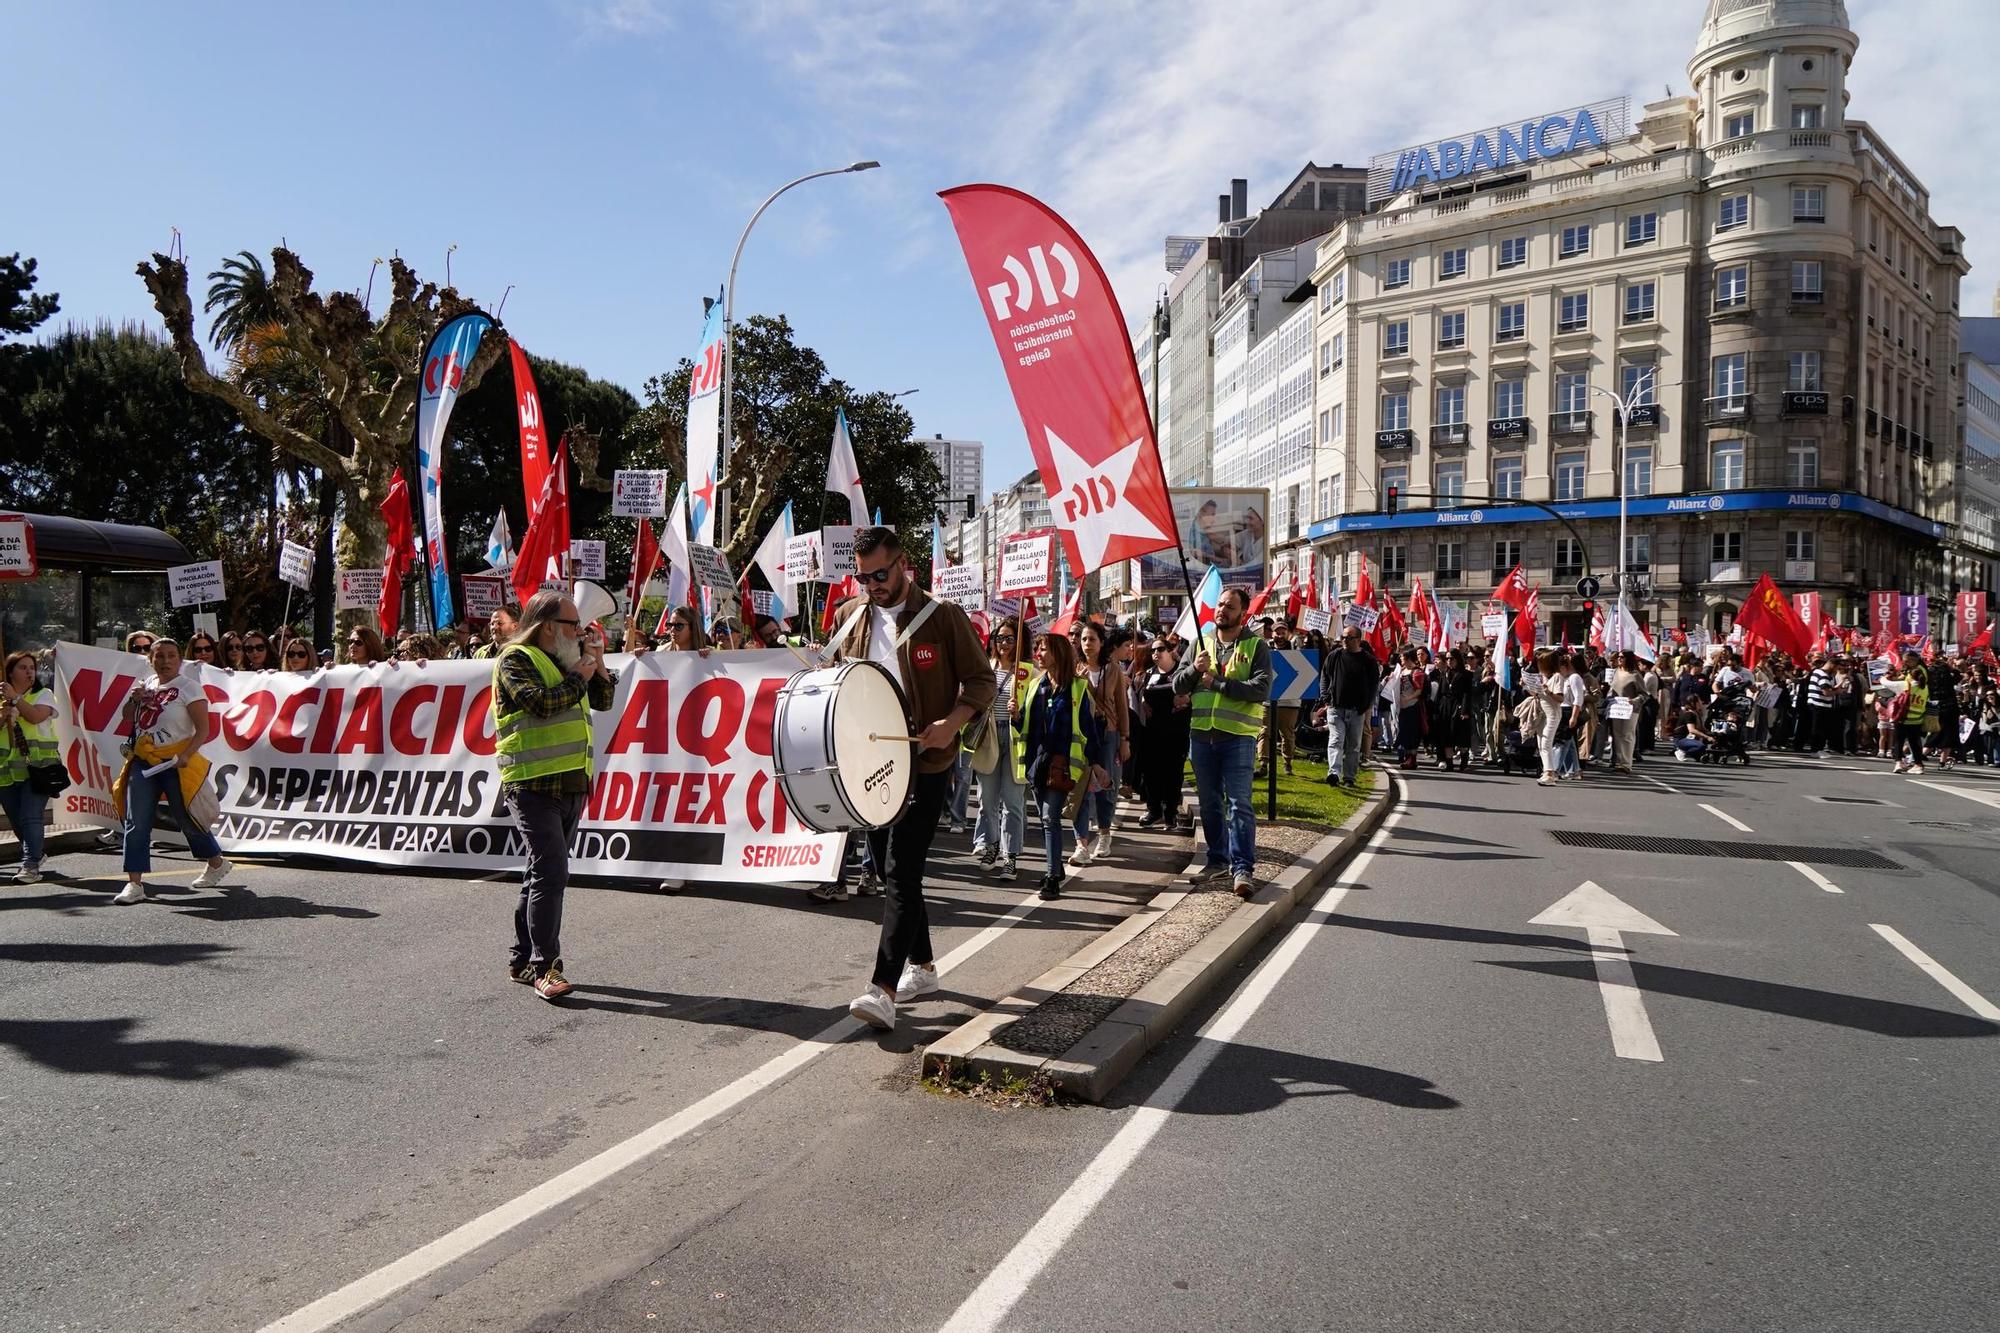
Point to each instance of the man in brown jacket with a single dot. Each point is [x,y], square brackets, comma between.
[931,650]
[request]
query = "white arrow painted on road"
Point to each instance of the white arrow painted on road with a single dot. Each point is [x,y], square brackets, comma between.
[1604,919]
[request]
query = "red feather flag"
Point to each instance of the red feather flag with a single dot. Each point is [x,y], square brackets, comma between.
[645,563]
[545,550]
[402,556]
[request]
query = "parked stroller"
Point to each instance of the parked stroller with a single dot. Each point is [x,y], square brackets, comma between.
[1729,724]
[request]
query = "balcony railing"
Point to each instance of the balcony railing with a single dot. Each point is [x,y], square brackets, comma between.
[1727,407]
[1569,423]
[1455,433]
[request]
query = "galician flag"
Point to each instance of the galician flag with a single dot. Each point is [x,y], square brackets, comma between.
[1196,620]
[500,544]
[843,476]
[704,428]
[770,560]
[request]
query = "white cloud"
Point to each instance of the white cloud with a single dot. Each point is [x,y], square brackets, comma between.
[626,18]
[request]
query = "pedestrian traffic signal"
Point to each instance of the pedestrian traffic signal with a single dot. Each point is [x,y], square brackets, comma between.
[1389,496]
[1589,606]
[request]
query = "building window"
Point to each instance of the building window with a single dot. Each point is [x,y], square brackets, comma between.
[1569,476]
[1569,558]
[1734,212]
[1506,555]
[1395,411]
[1732,287]
[1508,473]
[1804,373]
[1638,469]
[1806,115]
[1740,126]
[1325,359]
[1398,275]
[1639,551]
[1574,313]
[1799,544]
[1808,203]
[1642,229]
[1339,350]
[1513,323]
[1450,569]
[1396,338]
[1635,382]
[1454,263]
[1572,391]
[1339,287]
[1325,299]
[1451,330]
[1808,280]
[1725,548]
[1729,381]
[1450,483]
[1325,509]
[1395,561]
[1639,302]
[1513,252]
[1575,241]
[1326,427]
[1802,463]
[1510,398]
[1450,405]
[1725,465]
[1339,422]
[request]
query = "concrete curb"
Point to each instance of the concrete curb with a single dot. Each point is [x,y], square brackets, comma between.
[1106,1054]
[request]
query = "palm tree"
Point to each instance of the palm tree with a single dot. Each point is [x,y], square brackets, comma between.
[241,290]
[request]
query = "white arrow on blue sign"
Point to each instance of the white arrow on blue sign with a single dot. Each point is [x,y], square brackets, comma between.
[1294,675]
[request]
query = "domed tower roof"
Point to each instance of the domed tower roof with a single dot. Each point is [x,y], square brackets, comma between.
[1732,20]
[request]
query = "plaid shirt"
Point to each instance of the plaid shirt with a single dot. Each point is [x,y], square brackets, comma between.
[519,685]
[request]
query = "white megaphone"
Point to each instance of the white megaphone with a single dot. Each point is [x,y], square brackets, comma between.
[592,601]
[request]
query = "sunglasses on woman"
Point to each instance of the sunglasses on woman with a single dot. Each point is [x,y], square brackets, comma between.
[198,649]
[678,627]
[256,647]
[296,652]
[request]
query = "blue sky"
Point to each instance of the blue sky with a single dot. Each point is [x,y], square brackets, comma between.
[600,156]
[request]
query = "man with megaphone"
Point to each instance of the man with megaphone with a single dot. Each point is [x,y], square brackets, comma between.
[546,679]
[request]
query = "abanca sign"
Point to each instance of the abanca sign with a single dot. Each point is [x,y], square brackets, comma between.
[1536,139]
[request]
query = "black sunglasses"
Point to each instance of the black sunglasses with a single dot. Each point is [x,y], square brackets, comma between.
[877,575]
[678,626]
[297,652]
[256,647]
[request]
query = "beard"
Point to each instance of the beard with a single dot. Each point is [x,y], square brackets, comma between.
[567,652]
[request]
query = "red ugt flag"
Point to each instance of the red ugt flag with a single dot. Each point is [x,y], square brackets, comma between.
[534,437]
[1513,590]
[1769,614]
[546,546]
[1069,362]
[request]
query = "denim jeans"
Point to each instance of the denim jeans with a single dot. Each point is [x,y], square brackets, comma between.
[1003,815]
[548,823]
[1344,732]
[26,809]
[1224,765]
[142,799]
[1051,803]
[1566,759]
[1104,804]
[961,786]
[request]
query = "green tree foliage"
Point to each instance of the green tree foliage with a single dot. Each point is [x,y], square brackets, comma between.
[20,309]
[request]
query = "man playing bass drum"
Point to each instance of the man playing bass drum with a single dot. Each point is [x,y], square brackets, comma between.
[931,650]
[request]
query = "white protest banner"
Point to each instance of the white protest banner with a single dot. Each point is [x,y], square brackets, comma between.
[711,569]
[1361,617]
[639,492]
[1317,618]
[357,589]
[295,565]
[1493,624]
[763,601]
[1027,563]
[17,548]
[963,584]
[836,552]
[393,765]
[195,584]
[586,559]
[802,557]
[484,594]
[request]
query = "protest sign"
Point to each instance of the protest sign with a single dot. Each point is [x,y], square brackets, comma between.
[17,548]
[963,584]
[1361,617]
[639,492]
[196,584]
[1027,563]
[357,589]
[587,559]
[836,552]
[295,565]
[802,557]
[1317,618]
[710,569]
[484,594]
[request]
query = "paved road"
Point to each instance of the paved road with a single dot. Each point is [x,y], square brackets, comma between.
[1407,1114]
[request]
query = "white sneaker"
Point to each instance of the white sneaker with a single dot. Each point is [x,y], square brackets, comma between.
[1824,754]
[1680,757]
[916,981]
[1102,847]
[1901,767]
[1545,781]
[27,876]
[1916,769]
[1081,856]
[134,893]
[874,1007]
[214,875]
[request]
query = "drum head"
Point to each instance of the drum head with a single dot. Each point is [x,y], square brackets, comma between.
[875,774]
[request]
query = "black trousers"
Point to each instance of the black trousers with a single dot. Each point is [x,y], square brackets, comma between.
[902,852]
[1163,769]
[1827,724]
[548,823]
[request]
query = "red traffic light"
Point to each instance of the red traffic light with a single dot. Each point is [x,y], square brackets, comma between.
[1390,495]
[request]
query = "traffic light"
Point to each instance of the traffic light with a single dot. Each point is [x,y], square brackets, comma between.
[1589,606]
[1389,497]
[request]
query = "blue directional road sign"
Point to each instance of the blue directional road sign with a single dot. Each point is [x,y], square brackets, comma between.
[1294,675]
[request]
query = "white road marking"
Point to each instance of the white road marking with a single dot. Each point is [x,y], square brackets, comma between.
[992,1300]
[1727,818]
[1815,876]
[1657,783]
[1983,797]
[373,1288]
[1936,971]
[1604,919]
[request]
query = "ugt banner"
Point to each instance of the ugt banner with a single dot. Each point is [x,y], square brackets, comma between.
[1882,608]
[1069,362]
[393,764]
[704,428]
[1971,617]
[451,351]
[1913,615]
[534,436]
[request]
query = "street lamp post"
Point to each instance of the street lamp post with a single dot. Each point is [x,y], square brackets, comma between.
[1642,387]
[728,358]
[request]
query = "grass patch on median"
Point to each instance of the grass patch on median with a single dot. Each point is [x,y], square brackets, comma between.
[1007,1092]
[1304,797]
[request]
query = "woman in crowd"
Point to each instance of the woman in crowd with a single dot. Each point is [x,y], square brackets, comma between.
[1548,696]
[1168,719]
[1458,691]
[364,646]
[1915,709]
[1107,699]
[418,648]
[1057,733]
[165,720]
[140,642]
[1410,688]
[1003,817]
[27,743]
[202,650]
[300,658]
[256,651]
[229,653]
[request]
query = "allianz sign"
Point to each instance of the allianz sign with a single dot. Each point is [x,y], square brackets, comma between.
[1504,146]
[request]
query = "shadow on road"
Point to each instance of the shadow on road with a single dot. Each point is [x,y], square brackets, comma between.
[238,904]
[100,1046]
[1426,930]
[793,1020]
[65,904]
[154,955]
[1247,1079]
[1888,1018]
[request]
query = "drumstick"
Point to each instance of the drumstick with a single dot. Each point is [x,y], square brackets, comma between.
[880,736]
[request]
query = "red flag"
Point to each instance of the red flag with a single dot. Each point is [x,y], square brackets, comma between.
[1513,590]
[1069,361]
[1262,599]
[1421,610]
[534,440]
[1072,608]
[836,594]
[645,563]
[1364,587]
[1597,626]
[401,557]
[1982,641]
[1768,614]
[1524,624]
[545,550]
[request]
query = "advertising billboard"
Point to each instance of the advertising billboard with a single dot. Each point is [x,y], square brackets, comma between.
[1219,525]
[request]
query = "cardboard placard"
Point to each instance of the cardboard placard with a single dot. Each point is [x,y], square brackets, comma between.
[711,569]
[357,589]
[802,557]
[1619,709]
[484,594]
[1317,618]
[587,559]
[963,584]
[204,623]
[17,548]
[1361,617]
[836,552]
[1493,624]
[196,584]
[763,602]
[639,492]
[1027,563]
[295,565]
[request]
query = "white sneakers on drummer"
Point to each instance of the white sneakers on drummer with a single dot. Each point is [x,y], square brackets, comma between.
[874,1007]
[214,875]
[916,981]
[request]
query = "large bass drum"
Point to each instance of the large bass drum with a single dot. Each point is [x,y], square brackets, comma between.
[838,743]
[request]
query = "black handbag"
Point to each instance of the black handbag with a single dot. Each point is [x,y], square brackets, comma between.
[43,779]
